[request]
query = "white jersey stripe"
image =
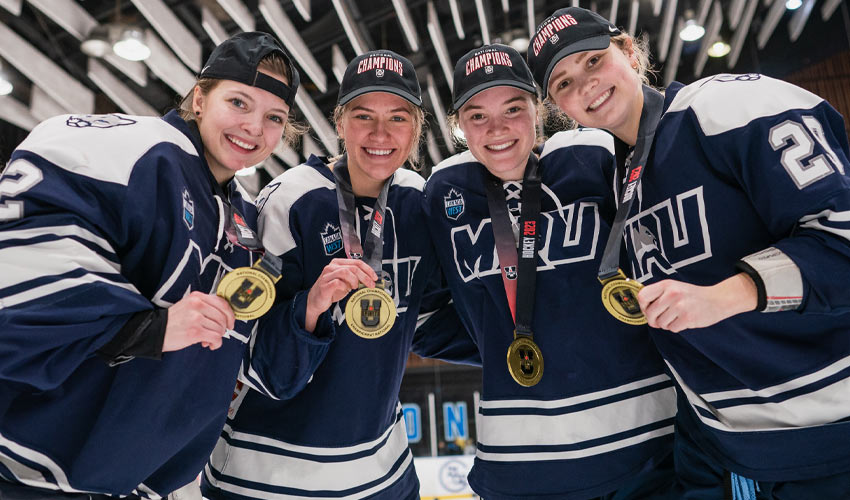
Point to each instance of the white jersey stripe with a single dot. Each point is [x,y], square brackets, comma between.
[58,286]
[598,422]
[60,231]
[279,470]
[30,476]
[16,263]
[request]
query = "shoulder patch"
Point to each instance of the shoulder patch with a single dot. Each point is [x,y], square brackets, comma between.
[408,178]
[275,200]
[579,137]
[103,147]
[725,102]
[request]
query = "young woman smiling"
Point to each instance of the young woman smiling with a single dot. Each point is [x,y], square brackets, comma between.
[735,203]
[582,408]
[114,232]
[321,417]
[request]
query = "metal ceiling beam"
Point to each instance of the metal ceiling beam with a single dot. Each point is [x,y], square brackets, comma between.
[433,149]
[633,17]
[239,13]
[828,8]
[211,25]
[75,20]
[303,8]
[506,6]
[310,147]
[741,33]
[666,29]
[16,113]
[733,15]
[41,70]
[42,106]
[439,111]
[279,22]
[656,7]
[178,38]
[769,22]
[338,62]
[165,65]
[615,5]
[13,6]
[407,26]
[350,27]
[317,120]
[482,21]
[120,94]
[287,154]
[702,11]
[456,18]
[532,21]
[439,43]
[798,20]
[712,30]
[272,166]
[672,64]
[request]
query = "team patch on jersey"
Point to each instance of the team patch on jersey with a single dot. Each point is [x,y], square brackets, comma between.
[454,204]
[331,239]
[98,121]
[188,209]
[510,272]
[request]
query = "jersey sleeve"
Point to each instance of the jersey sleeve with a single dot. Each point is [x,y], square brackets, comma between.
[283,355]
[790,156]
[63,233]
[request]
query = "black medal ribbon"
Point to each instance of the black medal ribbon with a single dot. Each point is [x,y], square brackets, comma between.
[632,169]
[372,250]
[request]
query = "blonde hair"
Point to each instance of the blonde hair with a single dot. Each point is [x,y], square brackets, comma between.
[556,119]
[272,63]
[418,128]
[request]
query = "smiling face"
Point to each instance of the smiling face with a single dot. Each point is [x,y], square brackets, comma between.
[498,124]
[601,89]
[378,131]
[240,125]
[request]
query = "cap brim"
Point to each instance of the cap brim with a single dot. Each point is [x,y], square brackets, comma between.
[381,88]
[469,94]
[598,42]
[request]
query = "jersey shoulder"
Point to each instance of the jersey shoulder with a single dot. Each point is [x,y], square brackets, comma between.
[101,147]
[578,137]
[727,102]
[408,179]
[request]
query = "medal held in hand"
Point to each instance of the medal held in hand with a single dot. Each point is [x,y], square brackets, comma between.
[619,294]
[525,361]
[249,290]
[370,312]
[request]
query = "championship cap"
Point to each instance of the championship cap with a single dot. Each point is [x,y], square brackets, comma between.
[566,32]
[489,66]
[380,71]
[237,59]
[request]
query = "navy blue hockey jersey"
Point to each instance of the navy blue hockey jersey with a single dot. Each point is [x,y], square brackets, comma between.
[103,217]
[603,411]
[748,167]
[319,415]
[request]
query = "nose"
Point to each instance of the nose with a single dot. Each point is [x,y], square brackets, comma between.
[588,84]
[497,124]
[253,125]
[380,129]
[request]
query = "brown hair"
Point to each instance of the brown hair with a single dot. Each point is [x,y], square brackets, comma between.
[273,63]
[418,128]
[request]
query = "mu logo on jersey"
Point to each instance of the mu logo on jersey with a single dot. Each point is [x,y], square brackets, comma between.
[453,202]
[667,236]
[566,235]
[331,239]
[188,210]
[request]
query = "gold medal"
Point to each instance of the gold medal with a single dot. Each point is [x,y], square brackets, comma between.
[525,361]
[619,296]
[249,290]
[370,312]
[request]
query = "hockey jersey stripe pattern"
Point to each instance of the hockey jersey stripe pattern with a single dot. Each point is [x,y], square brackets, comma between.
[352,471]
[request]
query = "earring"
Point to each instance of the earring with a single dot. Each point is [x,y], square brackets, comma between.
[197,113]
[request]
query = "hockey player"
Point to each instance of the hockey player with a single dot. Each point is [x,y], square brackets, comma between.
[114,231]
[740,201]
[322,417]
[582,408]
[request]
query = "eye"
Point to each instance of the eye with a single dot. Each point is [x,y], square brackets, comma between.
[591,61]
[398,118]
[239,103]
[563,84]
[362,116]
[276,118]
[476,116]
[514,109]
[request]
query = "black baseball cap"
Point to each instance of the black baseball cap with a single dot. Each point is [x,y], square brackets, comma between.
[489,66]
[380,71]
[237,59]
[566,32]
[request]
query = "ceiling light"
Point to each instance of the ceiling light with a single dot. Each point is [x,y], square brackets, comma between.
[520,44]
[718,49]
[97,43]
[692,31]
[131,45]
[793,4]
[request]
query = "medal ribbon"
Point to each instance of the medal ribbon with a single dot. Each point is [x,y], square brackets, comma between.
[525,261]
[372,250]
[633,167]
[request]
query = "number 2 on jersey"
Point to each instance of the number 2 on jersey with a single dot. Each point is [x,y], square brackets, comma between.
[19,176]
[799,139]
